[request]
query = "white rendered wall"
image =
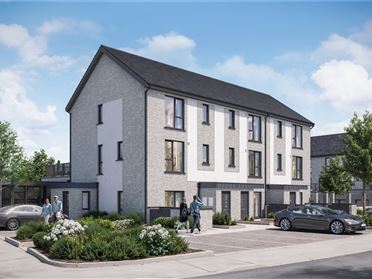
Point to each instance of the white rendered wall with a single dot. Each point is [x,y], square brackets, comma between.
[218,174]
[108,134]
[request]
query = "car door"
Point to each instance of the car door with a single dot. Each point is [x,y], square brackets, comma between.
[298,217]
[36,213]
[316,219]
[22,213]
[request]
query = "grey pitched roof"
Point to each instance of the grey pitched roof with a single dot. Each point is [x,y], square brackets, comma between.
[327,145]
[162,76]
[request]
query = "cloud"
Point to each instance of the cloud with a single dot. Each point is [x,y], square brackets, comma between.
[56,25]
[13,35]
[171,48]
[338,47]
[363,36]
[327,128]
[52,26]
[345,84]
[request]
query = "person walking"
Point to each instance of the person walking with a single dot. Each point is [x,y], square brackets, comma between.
[195,212]
[46,212]
[184,216]
[57,209]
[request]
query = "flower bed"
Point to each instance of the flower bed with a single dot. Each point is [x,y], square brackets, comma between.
[95,240]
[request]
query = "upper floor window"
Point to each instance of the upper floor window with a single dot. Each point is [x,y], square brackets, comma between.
[120,151]
[99,120]
[100,162]
[231,119]
[279,165]
[254,163]
[254,128]
[297,136]
[205,114]
[296,167]
[205,154]
[279,129]
[231,157]
[174,156]
[174,112]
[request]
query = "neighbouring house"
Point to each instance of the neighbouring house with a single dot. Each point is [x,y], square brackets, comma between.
[150,134]
[323,148]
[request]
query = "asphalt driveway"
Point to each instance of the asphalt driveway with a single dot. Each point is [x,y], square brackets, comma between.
[258,239]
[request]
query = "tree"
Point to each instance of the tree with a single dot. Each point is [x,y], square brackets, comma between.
[12,158]
[36,166]
[358,151]
[334,177]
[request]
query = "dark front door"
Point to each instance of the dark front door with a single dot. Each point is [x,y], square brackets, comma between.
[292,198]
[65,202]
[226,202]
[257,204]
[244,204]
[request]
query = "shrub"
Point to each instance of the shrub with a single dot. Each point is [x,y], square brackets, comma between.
[66,248]
[40,242]
[99,221]
[123,224]
[177,245]
[135,217]
[122,248]
[96,230]
[271,215]
[114,217]
[156,239]
[166,222]
[95,214]
[96,249]
[221,218]
[368,219]
[27,230]
[65,228]
[359,212]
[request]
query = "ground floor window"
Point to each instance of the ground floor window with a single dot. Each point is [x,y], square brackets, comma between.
[120,202]
[86,200]
[173,198]
[208,201]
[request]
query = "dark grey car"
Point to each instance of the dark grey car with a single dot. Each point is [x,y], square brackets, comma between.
[315,217]
[12,217]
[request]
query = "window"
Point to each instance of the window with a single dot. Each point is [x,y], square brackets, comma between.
[254,163]
[100,114]
[120,202]
[174,156]
[174,113]
[205,114]
[86,200]
[296,167]
[173,198]
[231,157]
[120,151]
[327,161]
[292,198]
[205,154]
[279,129]
[279,162]
[254,128]
[231,119]
[100,163]
[297,138]
[208,201]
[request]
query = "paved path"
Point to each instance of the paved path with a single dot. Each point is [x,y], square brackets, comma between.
[15,263]
[260,238]
[344,267]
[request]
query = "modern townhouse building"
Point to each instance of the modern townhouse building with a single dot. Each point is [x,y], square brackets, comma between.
[323,148]
[150,134]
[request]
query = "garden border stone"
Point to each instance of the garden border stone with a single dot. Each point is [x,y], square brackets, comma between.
[237,226]
[44,259]
[12,241]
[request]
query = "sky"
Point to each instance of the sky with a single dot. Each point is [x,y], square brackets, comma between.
[314,57]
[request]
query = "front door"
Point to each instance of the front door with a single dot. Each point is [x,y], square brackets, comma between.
[65,203]
[244,204]
[257,204]
[226,202]
[292,198]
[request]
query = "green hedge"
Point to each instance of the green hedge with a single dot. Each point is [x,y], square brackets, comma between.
[40,242]
[112,216]
[27,230]
[220,218]
[166,222]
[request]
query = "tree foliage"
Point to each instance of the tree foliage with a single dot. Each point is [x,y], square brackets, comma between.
[335,178]
[15,167]
[358,151]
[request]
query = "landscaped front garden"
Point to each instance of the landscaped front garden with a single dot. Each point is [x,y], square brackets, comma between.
[103,238]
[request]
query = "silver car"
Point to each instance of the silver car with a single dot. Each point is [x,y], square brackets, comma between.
[11,217]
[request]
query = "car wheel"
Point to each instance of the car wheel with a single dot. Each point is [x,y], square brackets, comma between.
[285,224]
[337,227]
[12,224]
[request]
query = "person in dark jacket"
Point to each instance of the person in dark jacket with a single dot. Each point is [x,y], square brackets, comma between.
[184,216]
